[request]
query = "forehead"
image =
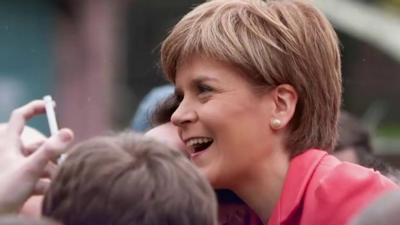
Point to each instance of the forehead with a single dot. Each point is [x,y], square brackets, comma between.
[162,131]
[199,69]
[202,68]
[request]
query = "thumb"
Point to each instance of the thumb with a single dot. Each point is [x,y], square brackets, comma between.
[51,149]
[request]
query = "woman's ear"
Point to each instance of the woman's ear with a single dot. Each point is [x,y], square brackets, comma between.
[285,100]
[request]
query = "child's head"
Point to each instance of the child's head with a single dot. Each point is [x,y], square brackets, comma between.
[128,179]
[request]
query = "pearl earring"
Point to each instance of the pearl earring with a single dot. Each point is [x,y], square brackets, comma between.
[276,124]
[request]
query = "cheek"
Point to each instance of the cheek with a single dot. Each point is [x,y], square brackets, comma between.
[173,141]
[221,114]
[178,144]
[237,119]
[238,128]
[167,134]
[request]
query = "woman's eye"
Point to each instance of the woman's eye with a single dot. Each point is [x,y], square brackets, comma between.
[202,88]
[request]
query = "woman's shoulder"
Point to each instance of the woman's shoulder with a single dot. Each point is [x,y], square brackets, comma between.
[344,188]
[320,189]
[332,173]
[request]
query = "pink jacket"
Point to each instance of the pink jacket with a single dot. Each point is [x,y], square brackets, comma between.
[321,190]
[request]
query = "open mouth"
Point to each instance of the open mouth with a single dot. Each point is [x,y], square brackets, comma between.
[197,145]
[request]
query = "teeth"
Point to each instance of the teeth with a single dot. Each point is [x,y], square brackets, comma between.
[194,141]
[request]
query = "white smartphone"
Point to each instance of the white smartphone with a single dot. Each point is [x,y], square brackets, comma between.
[51,118]
[51,115]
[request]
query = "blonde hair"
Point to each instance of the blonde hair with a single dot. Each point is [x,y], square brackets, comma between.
[273,42]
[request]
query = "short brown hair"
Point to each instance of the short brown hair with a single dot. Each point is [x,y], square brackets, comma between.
[128,179]
[273,42]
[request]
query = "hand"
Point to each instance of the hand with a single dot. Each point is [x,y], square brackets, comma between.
[20,176]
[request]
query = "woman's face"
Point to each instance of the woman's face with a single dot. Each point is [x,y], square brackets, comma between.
[221,119]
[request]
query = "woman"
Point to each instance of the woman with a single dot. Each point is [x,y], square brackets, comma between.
[259,85]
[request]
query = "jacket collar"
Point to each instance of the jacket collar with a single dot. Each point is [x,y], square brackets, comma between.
[300,171]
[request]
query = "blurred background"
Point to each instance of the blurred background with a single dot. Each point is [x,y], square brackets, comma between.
[98,59]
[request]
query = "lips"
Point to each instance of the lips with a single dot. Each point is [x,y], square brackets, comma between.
[198,144]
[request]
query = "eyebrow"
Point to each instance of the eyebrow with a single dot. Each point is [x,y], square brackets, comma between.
[202,78]
[197,80]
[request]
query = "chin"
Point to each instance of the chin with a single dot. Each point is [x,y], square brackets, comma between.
[215,181]
[210,176]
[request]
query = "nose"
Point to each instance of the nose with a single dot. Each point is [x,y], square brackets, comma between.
[184,114]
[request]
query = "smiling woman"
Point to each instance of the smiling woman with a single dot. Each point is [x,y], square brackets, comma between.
[225,110]
[259,86]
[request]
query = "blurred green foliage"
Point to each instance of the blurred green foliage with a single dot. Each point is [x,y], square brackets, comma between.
[389,130]
[395,3]
[387,3]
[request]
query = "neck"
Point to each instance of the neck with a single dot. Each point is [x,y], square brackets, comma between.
[262,188]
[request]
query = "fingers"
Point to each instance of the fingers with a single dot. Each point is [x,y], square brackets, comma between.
[32,147]
[20,115]
[51,149]
[41,187]
[49,171]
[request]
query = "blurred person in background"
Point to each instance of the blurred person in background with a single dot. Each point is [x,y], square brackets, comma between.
[141,121]
[354,145]
[354,140]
